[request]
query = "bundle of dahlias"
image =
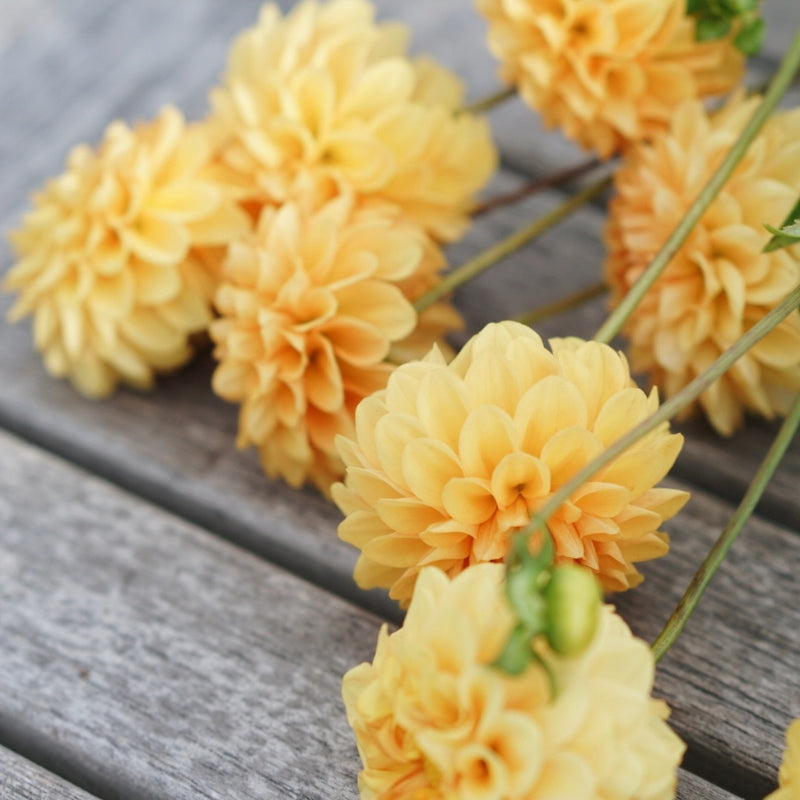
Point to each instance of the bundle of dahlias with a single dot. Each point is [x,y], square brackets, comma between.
[497,491]
[306,212]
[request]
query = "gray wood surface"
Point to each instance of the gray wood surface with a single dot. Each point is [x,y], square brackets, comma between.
[731,678]
[21,779]
[144,658]
[176,632]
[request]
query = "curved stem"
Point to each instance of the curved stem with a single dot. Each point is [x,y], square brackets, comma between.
[717,554]
[564,304]
[490,101]
[780,83]
[671,407]
[536,185]
[455,278]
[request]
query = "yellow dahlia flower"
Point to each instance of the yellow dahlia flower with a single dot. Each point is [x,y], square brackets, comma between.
[434,720]
[116,259]
[326,98]
[789,775]
[311,305]
[607,72]
[720,283]
[449,461]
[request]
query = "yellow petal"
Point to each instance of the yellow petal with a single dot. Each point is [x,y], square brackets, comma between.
[519,474]
[549,406]
[469,500]
[442,405]
[183,202]
[157,240]
[427,466]
[568,451]
[486,437]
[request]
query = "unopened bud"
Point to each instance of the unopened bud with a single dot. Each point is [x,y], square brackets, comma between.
[573,609]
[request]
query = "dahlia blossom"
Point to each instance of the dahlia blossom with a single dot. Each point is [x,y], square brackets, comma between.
[449,461]
[433,719]
[326,98]
[720,283]
[789,775]
[608,72]
[311,305]
[116,259]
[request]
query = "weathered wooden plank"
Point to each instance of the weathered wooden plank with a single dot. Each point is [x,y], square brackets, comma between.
[147,659]
[21,779]
[151,660]
[731,678]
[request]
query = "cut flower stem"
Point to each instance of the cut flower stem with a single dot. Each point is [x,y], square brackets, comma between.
[668,409]
[567,303]
[510,244]
[778,86]
[717,554]
[535,185]
[490,101]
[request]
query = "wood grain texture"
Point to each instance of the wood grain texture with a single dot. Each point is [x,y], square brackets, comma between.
[147,659]
[20,779]
[143,658]
[731,678]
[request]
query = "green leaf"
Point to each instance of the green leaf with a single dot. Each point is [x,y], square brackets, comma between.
[750,37]
[711,28]
[739,7]
[517,653]
[788,233]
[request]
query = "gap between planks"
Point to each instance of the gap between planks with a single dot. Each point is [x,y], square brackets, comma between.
[21,779]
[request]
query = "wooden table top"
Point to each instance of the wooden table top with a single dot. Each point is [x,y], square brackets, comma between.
[175,625]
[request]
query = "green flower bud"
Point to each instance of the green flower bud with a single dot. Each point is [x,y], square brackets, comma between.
[573,600]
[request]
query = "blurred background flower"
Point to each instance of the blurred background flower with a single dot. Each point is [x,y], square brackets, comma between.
[720,282]
[311,306]
[607,72]
[117,260]
[325,98]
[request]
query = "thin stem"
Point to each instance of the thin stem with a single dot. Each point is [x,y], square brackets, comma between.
[504,248]
[564,304]
[717,554]
[490,101]
[536,185]
[671,407]
[778,86]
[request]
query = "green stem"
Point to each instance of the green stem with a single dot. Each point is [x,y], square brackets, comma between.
[504,248]
[564,304]
[717,554]
[670,408]
[780,83]
[490,101]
